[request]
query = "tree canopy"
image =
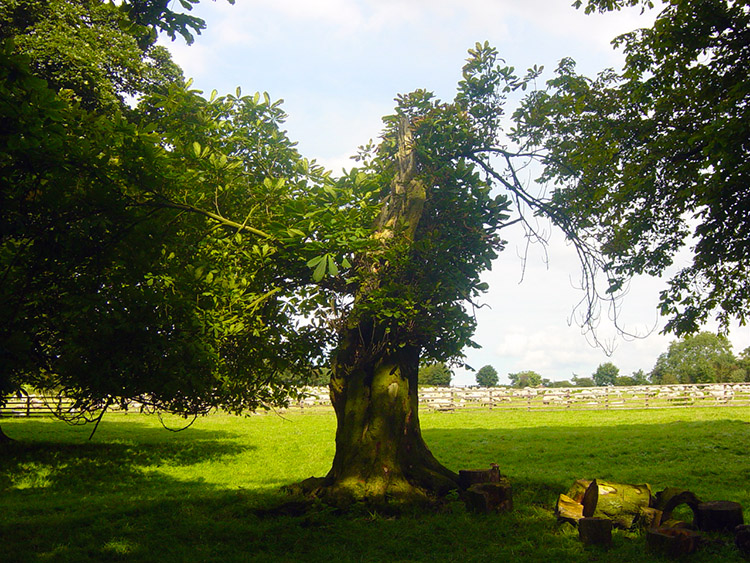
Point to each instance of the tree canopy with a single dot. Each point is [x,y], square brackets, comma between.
[437,374]
[123,275]
[606,374]
[487,376]
[701,358]
[662,149]
[526,378]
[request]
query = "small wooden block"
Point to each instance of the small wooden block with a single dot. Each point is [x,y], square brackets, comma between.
[718,516]
[595,531]
[671,542]
[484,498]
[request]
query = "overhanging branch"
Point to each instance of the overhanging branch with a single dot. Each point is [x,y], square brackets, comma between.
[239,227]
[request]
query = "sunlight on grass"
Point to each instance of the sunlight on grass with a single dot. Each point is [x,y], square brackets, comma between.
[31,476]
[118,547]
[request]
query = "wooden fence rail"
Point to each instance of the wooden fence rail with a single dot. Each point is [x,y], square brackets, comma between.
[33,405]
[575,398]
[530,399]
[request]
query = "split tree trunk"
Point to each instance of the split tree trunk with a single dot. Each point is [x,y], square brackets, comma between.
[380,453]
[619,502]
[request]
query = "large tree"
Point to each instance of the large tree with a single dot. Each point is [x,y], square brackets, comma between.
[410,295]
[122,277]
[179,251]
[653,160]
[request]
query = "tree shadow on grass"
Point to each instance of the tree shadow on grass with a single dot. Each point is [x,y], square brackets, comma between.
[74,465]
[100,505]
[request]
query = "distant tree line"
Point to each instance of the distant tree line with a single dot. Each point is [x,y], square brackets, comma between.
[701,358]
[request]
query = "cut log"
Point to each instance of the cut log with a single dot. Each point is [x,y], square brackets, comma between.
[469,477]
[568,510]
[483,498]
[672,542]
[742,540]
[718,516]
[578,489]
[672,497]
[619,502]
[595,531]
[649,518]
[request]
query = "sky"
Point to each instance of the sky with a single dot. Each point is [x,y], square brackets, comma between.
[338,65]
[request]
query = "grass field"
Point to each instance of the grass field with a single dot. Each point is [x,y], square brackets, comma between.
[137,492]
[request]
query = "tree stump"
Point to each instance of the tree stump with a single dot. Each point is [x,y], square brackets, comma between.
[469,477]
[568,510]
[483,498]
[595,531]
[672,542]
[718,516]
[618,502]
[742,540]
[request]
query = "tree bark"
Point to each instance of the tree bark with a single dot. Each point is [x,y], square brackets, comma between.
[380,454]
[619,502]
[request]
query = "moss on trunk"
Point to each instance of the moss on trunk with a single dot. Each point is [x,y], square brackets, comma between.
[381,456]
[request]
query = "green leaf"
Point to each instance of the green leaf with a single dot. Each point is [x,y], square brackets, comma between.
[320,271]
[197,149]
[315,261]
[333,269]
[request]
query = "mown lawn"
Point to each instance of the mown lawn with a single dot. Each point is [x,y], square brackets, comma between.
[137,492]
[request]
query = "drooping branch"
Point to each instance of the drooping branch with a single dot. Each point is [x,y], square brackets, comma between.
[221,220]
[589,257]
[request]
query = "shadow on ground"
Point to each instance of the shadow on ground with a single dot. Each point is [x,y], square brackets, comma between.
[101,502]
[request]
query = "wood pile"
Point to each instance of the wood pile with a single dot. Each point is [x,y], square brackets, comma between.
[598,506]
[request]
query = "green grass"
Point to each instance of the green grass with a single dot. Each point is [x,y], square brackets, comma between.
[139,493]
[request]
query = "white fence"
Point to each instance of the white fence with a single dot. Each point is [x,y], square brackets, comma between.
[580,398]
[452,398]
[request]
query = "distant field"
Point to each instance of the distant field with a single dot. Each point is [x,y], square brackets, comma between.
[137,492]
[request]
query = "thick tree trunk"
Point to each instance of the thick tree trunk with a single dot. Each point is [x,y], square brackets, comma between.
[380,454]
